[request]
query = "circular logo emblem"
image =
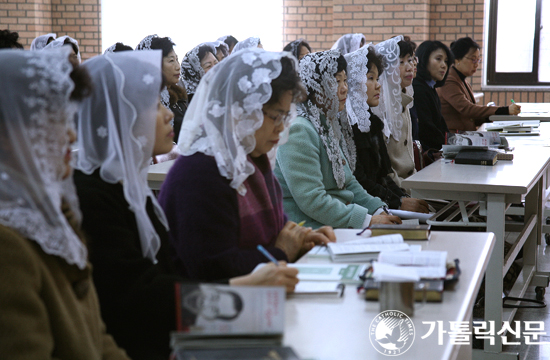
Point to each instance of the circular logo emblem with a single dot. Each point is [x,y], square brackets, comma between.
[391,333]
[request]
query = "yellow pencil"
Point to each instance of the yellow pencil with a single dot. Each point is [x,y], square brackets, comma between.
[301,223]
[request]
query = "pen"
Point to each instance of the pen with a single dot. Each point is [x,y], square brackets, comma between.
[512,101]
[267,254]
[301,223]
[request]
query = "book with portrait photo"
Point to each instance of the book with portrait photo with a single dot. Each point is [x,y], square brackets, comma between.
[222,316]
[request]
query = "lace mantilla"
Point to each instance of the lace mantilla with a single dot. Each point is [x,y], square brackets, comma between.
[389,109]
[59,42]
[251,42]
[349,43]
[317,72]
[116,131]
[33,148]
[356,103]
[191,69]
[226,111]
[40,42]
[145,44]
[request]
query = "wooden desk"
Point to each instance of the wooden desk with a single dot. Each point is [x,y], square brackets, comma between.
[499,185]
[157,173]
[529,111]
[337,328]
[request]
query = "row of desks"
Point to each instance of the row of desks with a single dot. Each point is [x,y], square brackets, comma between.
[338,328]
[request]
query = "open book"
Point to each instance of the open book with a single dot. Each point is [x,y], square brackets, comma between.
[517,127]
[220,316]
[473,140]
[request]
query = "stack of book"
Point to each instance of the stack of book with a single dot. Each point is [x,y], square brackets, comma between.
[431,267]
[515,128]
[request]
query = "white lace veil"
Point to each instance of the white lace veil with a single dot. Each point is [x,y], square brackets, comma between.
[191,69]
[317,72]
[223,47]
[227,110]
[356,102]
[35,116]
[145,44]
[389,109]
[59,42]
[349,43]
[116,130]
[41,41]
[251,42]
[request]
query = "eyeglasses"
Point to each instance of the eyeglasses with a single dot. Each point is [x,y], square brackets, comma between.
[474,60]
[278,119]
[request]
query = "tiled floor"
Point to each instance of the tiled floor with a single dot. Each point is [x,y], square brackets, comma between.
[534,352]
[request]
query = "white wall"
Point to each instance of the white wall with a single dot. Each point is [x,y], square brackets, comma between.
[191,22]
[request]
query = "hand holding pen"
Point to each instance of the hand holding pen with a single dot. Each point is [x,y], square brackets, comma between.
[514,109]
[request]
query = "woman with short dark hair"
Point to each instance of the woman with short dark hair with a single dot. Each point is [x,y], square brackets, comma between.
[458,104]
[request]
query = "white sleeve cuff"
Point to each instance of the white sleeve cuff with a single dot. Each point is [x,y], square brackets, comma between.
[379,211]
[366,223]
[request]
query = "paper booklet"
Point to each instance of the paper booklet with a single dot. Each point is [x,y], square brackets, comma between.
[473,140]
[219,316]
[365,249]
[427,264]
[345,273]
[513,126]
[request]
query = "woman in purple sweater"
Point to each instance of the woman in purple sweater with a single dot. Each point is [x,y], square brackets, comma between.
[221,198]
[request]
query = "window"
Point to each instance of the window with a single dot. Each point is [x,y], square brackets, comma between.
[518,50]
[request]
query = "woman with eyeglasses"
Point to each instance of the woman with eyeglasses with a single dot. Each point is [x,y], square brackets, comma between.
[458,104]
[221,198]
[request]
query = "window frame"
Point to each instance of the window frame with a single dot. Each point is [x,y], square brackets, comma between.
[494,78]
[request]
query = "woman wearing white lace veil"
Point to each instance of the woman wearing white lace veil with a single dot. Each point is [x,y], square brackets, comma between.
[400,144]
[299,48]
[126,227]
[315,167]
[373,166]
[222,50]
[173,96]
[41,41]
[66,40]
[251,42]
[238,113]
[230,41]
[195,64]
[117,47]
[349,43]
[48,301]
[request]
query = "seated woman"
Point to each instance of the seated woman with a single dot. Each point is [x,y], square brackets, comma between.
[173,97]
[48,300]
[315,167]
[127,228]
[349,43]
[373,165]
[221,198]
[299,48]
[195,64]
[434,59]
[66,40]
[222,50]
[399,140]
[230,40]
[458,104]
[41,41]
[251,42]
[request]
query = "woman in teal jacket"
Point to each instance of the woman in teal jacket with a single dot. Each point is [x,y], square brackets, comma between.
[315,167]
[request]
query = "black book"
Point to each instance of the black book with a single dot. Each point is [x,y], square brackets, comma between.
[476,157]
[268,352]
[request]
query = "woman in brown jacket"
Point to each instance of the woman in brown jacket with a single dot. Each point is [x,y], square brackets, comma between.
[458,105]
[48,304]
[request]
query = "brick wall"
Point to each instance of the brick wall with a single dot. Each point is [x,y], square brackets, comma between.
[322,22]
[80,19]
